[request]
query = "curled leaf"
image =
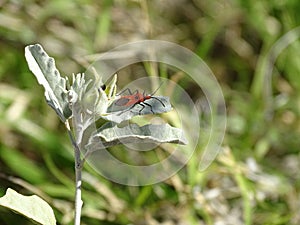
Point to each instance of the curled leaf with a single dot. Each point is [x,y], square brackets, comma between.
[43,67]
[111,134]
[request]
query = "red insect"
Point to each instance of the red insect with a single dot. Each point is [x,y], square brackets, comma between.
[136,98]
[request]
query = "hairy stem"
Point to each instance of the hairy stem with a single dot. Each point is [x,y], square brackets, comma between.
[78,201]
[78,181]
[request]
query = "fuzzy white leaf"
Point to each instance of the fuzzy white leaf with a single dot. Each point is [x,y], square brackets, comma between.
[110,135]
[32,207]
[43,67]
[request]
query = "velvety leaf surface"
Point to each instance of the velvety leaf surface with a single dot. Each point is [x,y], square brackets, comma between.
[33,207]
[111,134]
[43,67]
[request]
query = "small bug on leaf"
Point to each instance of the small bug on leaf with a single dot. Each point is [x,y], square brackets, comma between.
[103,87]
[136,98]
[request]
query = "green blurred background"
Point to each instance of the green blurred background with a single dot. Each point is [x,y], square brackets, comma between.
[255,180]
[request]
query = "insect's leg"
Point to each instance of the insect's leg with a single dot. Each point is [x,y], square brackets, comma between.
[130,108]
[127,89]
[144,104]
[159,101]
[129,92]
[135,92]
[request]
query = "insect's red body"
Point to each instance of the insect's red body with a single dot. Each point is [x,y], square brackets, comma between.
[136,98]
[129,100]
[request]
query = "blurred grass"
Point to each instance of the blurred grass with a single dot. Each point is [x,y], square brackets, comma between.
[255,180]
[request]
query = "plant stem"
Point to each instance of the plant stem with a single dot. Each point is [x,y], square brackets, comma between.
[78,181]
[78,201]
